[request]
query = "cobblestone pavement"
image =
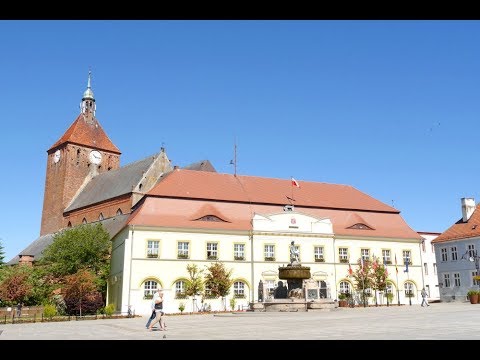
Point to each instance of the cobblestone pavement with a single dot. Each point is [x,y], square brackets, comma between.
[439,321]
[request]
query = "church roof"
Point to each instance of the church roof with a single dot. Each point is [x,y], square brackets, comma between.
[86,131]
[203,165]
[112,184]
[112,225]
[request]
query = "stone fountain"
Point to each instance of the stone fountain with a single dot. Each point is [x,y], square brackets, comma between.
[293,297]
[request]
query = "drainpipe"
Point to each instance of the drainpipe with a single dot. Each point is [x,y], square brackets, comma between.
[334,270]
[252,269]
[131,262]
[421,261]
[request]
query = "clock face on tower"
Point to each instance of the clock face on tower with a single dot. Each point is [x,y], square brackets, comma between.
[56,156]
[95,157]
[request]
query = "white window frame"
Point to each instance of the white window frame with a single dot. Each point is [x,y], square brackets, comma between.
[183,248]
[153,248]
[318,252]
[239,251]
[212,251]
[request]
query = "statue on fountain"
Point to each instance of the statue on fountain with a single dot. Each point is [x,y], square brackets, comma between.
[294,255]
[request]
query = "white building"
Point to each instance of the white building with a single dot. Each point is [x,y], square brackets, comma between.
[248,223]
[429,262]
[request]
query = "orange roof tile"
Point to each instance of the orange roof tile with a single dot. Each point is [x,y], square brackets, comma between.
[227,187]
[461,230]
[183,196]
[88,132]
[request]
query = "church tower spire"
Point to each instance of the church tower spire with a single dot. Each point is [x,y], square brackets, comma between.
[88,105]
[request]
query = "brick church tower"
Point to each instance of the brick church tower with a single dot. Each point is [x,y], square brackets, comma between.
[82,152]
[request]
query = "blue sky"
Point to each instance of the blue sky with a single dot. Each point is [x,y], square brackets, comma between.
[389,107]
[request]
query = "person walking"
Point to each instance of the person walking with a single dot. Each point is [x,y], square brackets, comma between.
[158,312]
[19,309]
[153,314]
[424,297]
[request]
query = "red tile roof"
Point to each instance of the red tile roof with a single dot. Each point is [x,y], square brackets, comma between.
[184,196]
[461,230]
[227,187]
[88,132]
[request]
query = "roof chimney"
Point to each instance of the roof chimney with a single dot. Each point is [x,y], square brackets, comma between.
[468,207]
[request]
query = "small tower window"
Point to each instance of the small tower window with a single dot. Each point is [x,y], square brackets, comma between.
[84,221]
[119,212]
[100,217]
[69,224]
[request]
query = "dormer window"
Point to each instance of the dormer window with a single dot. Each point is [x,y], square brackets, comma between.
[360,226]
[210,218]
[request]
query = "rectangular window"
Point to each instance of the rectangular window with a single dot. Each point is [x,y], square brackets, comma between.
[423,245]
[239,251]
[182,250]
[425,268]
[446,280]
[434,269]
[269,252]
[407,257]
[239,290]
[444,254]
[471,250]
[387,257]
[427,289]
[212,251]
[453,253]
[433,248]
[365,253]
[318,253]
[152,248]
[456,279]
[343,255]
[475,282]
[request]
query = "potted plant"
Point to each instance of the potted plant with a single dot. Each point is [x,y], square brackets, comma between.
[342,300]
[473,296]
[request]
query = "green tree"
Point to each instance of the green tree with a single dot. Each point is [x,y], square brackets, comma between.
[81,294]
[380,276]
[15,284]
[363,278]
[86,246]
[194,285]
[2,254]
[218,281]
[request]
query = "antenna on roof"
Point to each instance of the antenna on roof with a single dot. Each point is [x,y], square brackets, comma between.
[234,161]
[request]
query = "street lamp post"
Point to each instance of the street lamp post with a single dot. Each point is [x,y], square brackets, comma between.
[471,255]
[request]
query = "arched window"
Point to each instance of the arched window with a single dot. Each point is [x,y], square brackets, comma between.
[84,221]
[345,287]
[409,289]
[149,288]
[239,289]
[180,289]
[119,212]
[69,224]
[100,217]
